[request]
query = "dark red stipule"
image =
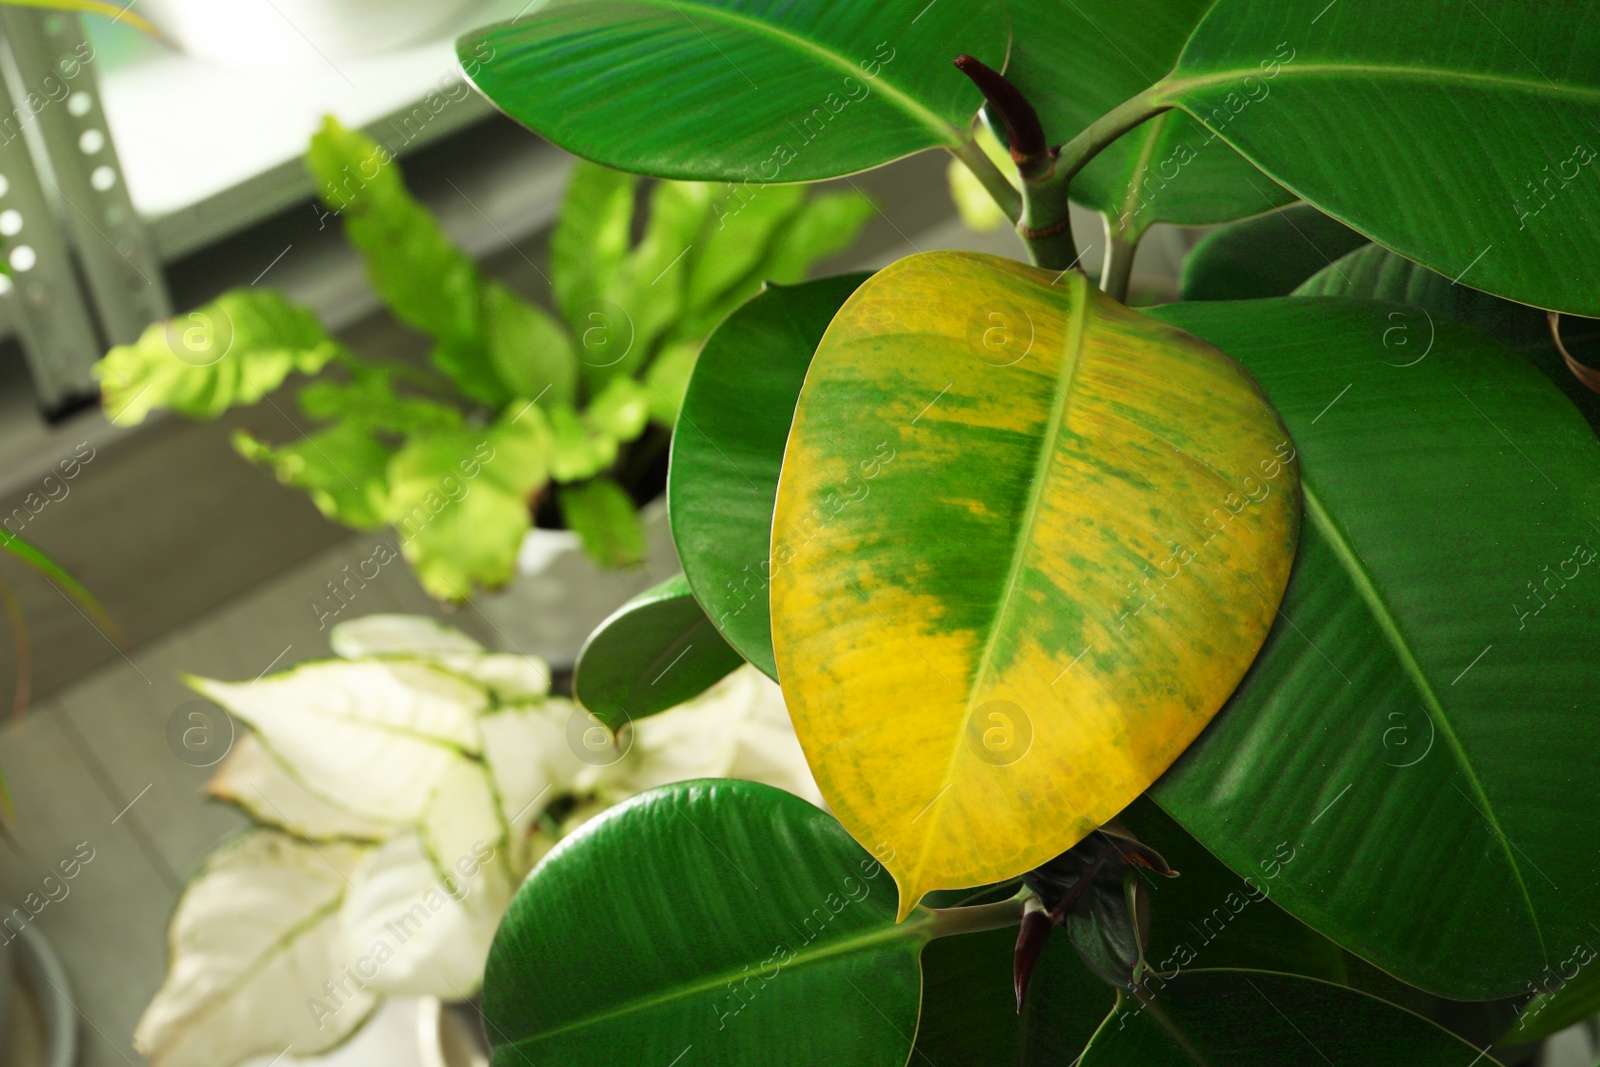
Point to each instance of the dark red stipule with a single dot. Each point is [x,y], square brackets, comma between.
[1025,133]
[1031,939]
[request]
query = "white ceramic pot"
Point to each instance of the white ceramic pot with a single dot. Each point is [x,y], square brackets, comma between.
[287,33]
[560,595]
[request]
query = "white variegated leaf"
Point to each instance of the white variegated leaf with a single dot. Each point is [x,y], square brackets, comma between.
[253,940]
[398,635]
[532,764]
[370,736]
[512,679]
[256,782]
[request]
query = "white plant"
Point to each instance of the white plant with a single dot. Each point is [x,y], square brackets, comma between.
[400,794]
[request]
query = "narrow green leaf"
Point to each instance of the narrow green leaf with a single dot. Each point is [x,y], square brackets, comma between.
[723,916]
[591,237]
[1265,256]
[602,514]
[728,449]
[1418,725]
[25,552]
[1243,1018]
[1470,151]
[230,352]
[653,653]
[739,90]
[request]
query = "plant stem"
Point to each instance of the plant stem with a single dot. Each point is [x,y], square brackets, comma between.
[997,916]
[1118,266]
[982,167]
[1044,227]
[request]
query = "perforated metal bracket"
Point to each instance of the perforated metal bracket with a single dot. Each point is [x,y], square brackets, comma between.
[41,295]
[54,61]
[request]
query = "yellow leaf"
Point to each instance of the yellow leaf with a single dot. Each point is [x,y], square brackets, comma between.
[1026,543]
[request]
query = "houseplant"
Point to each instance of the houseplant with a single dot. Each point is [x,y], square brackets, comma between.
[518,409]
[397,795]
[1248,642]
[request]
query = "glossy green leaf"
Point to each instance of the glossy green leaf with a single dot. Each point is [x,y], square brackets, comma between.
[343,469]
[1265,256]
[1418,726]
[460,500]
[1260,1019]
[739,90]
[1462,138]
[602,514]
[728,449]
[969,1010]
[723,917]
[230,352]
[1077,61]
[653,653]
[1375,272]
[990,469]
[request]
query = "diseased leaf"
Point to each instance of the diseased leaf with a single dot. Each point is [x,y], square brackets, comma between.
[739,90]
[653,653]
[258,924]
[228,353]
[991,586]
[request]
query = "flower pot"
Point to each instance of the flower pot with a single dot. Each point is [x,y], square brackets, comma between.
[39,1024]
[284,33]
[560,595]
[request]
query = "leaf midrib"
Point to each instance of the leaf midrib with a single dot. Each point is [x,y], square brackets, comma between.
[1171,88]
[1390,625]
[1021,546]
[913,931]
[906,101]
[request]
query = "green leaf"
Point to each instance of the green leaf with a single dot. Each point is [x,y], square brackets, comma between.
[1259,1019]
[1077,61]
[460,499]
[1265,256]
[935,564]
[1375,272]
[728,448]
[653,653]
[601,513]
[230,352]
[1568,994]
[1469,151]
[668,379]
[592,236]
[530,351]
[370,403]
[758,92]
[1417,725]
[577,451]
[969,1009]
[725,916]
[425,279]
[744,220]
[343,469]
[25,552]
[620,411]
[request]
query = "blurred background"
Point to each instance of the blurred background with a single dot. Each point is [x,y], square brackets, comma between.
[143,175]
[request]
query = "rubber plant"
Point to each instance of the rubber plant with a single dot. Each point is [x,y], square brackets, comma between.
[519,415]
[1216,683]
